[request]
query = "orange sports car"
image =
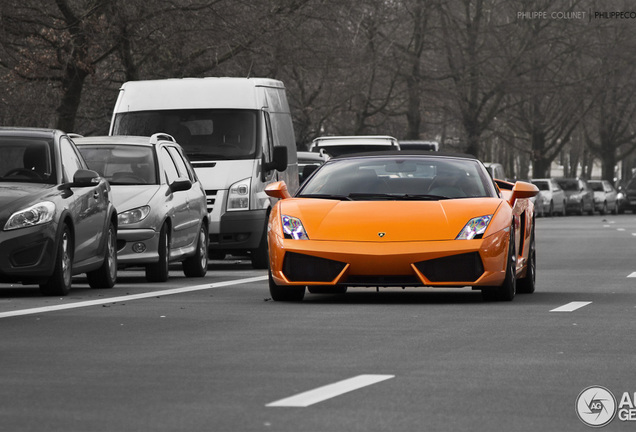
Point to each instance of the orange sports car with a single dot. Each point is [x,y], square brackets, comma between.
[402,219]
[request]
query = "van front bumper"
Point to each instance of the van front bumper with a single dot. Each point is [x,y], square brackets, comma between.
[240,230]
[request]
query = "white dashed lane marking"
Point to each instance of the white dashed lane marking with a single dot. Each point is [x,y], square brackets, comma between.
[632,275]
[129,297]
[329,391]
[572,306]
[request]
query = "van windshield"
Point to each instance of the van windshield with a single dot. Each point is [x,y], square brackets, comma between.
[205,134]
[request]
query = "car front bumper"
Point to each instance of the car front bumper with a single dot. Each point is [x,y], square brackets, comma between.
[137,246]
[27,255]
[451,263]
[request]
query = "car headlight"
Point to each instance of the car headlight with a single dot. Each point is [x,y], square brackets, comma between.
[293,228]
[475,228]
[239,196]
[133,216]
[37,214]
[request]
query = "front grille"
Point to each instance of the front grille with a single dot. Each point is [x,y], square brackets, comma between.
[383,281]
[455,268]
[210,196]
[299,267]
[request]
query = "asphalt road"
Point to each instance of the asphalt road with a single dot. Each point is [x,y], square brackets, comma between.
[216,354]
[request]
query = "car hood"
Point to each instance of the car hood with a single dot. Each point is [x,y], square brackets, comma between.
[325,219]
[129,197]
[16,196]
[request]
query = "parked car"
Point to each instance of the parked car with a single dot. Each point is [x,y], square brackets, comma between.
[308,162]
[419,145]
[358,222]
[56,215]
[341,145]
[551,198]
[161,203]
[630,195]
[605,196]
[579,196]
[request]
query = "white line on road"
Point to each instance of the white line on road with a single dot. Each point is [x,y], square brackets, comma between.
[572,306]
[329,391]
[129,297]
[632,275]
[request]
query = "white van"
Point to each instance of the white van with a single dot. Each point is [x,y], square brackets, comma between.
[238,134]
[340,145]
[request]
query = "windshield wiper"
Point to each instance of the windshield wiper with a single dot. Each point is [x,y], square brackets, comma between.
[326,196]
[406,197]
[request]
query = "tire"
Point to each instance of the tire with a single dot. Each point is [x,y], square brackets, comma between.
[551,209]
[564,210]
[604,208]
[159,271]
[327,289]
[507,290]
[59,284]
[260,255]
[285,293]
[197,264]
[526,285]
[106,275]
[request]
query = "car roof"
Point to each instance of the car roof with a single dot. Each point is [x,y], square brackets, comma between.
[124,139]
[354,139]
[29,132]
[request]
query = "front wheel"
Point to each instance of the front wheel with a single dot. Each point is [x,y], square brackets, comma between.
[159,271]
[507,290]
[59,284]
[106,275]
[197,264]
[285,293]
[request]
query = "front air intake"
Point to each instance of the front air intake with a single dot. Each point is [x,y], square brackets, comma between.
[299,267]
[455,268]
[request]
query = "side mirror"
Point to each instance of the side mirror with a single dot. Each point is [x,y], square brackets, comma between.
[85,178]
[279,160]
[277,190]
[523,190]
[180,184]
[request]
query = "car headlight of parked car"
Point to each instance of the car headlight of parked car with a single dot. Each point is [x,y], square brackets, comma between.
[475,228]
[133,216]
[293,228]
[37,214]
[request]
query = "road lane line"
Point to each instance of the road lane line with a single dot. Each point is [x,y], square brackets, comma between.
[632,275]
[130,297]
[572,306]
[329,391]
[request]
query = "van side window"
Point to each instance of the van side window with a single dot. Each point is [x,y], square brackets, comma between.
[268,150]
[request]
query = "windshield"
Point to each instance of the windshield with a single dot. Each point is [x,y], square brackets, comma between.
[203,134]
[338,150]
[569,184]
[541,185]
[381,178]
[122,164]
[596,186]
[26,160]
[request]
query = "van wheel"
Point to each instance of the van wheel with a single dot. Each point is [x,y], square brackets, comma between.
[106,275]
[159,271]
[60,282]
[260,255]
[197,265]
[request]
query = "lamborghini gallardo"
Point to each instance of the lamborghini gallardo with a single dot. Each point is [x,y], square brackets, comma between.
[402,219]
